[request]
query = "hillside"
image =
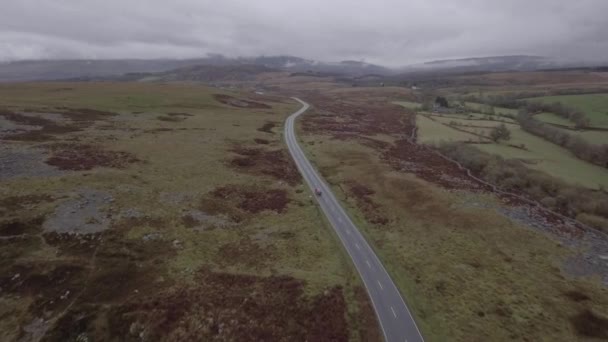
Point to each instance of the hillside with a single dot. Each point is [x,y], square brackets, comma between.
[36,70]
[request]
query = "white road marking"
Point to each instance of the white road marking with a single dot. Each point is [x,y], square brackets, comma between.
[368,264]
[380,284]
[357,245]
[394,314]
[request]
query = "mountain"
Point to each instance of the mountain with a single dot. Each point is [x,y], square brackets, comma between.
[489,64]
[202,69]
[35,70]
[203,73]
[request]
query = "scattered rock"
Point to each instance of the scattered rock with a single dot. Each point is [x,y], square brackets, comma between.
[21,162]
[81,215]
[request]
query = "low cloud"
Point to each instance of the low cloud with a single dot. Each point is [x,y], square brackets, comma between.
[391,32]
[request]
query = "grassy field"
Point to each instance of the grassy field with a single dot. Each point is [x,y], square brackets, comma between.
[538,153]
[498,110]
[165,211]
[408,104]
[553,119]
[595,106]
[430,131]
[468,272]
[594,137]
[545,156]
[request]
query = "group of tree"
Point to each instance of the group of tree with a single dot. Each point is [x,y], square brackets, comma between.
[512,175]
[582,149]
[577,117]
[442,102]
[515,101]
[500,132]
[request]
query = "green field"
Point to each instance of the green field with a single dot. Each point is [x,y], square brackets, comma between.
[498,110]
[545,156]
[538,153]
[430,131]
[408,104]
[181,202]
[551,118]
[595,106]
[480,120]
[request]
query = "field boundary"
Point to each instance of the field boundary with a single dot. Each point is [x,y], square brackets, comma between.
[412,140]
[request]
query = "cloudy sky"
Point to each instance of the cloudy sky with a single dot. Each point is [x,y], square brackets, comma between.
[390,32]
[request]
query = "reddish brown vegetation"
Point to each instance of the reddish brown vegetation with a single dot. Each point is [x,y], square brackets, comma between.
[171,118]
[587,323]
[12,204]
[577,296]
[84,114]
[174,117]
[368,328]
[274,163]
[267,127]
[338,118]
[370,209]
[261,141]
[220,306]
[16,227]
[80,118]
[45,283]
[241,103]
[180,114]
[46,131]
[77,157]
[246,252]
[424,163]
[253,200]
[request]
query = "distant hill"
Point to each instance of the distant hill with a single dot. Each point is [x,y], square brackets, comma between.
[203,73]
[96,69]
[489,64]
[202,69]
[72,69]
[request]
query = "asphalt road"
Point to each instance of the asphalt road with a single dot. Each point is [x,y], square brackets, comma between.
[395,318]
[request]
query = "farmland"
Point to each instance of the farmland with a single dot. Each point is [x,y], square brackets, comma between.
[595,106]
[535,151]
[158,212]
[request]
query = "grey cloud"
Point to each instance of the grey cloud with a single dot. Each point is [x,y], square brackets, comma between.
[393,32]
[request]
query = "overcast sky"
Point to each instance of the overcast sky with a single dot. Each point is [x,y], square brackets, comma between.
[390,32]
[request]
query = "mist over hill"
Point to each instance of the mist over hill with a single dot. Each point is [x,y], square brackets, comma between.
[213,67]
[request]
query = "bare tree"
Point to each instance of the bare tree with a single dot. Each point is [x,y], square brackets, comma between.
[500,132]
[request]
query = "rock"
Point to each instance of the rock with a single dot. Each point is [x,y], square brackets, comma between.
[133,328]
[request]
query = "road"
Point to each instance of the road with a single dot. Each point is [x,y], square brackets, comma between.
[395,319]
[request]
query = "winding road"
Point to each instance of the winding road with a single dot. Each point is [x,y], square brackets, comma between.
[395,319]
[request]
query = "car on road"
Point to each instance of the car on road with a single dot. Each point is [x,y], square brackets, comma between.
[318,192]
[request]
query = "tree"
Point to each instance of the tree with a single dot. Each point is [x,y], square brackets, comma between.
[442,101]
[500,132]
